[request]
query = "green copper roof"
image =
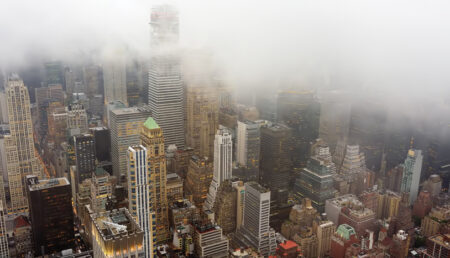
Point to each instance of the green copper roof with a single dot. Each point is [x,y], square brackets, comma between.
[151,123]
[345,231]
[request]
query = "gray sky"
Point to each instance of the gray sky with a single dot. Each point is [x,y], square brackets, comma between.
[400,46]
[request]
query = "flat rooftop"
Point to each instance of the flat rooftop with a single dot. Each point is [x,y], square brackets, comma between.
[49,183]
[115,224]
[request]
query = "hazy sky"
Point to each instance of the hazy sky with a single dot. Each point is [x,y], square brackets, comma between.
[401,46]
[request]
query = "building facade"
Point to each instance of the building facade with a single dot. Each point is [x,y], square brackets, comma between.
[152,138]
[411,174]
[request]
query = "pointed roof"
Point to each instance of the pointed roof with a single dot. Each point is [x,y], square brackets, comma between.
[150,123]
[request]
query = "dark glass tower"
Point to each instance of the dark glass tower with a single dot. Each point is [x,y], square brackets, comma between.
[85,156]
[51,214]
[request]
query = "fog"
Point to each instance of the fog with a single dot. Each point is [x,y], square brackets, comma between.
[398,48]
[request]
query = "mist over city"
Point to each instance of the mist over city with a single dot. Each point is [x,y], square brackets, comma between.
[272,128]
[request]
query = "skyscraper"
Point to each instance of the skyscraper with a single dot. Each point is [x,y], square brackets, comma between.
[152,138]
[198,179]
[77,119]
[21,156]
[125,124]
[51,214]
[316,182]
[102,141]
[4,251]
[165,91]
[411,174]
[202,118]
[276,165]
[223,161]
[114,77]
[84,156]
[255,230]
[140,194]
[301,112]
[248,144]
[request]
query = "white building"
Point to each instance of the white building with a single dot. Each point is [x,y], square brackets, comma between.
[114,77]
[140,194]
[248,144]
[223,164]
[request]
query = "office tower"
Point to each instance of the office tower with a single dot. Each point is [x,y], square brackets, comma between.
[225,207]
[116,234]
[248,144]
[240,195]
[51,214]
[275,160]
[325,231]
[84,157]
[102,186]
[435,221]
[4,251]
[142,202]
[21,156]
[316,182]
[102,141]
[343,238]
[423,204]
[411,174]
[388,203]
[223,161]
[198,179]
[209,240]
[353,171]
[114,77]
[53,73]
[255,230]
[53,91]
[96,105]
[133,83]
[152,138]
[393,180]
[301,112]
[92,78]
[202,119]
[3,108]
[165,90]
[403,219]
[77,119]
[125,125]
[400,244]
[108,108]
[335,107]
[174,188]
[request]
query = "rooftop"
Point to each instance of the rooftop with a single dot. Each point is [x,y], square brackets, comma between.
[115,224]
[36,184]
[150,123]
[345,231]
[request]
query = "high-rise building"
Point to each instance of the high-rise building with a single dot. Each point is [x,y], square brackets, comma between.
[223,161]
[202,118]
[84,156]
[165,90]
[209,240]
[142,202]
[174,188]
[102,141]
[114,77]
[353,170]
[316,182]
[92,79]
[255,230]
[116,234]
[343,238]
[51,214]
[21,156]
[435,221]
[77,119]
[423,204]
[411,174]
[53,72]
[198,179]
[125,124]
[101,187]
[248,145]
[225,207]
[275,160]
[3,108]
[325,231]
[4,251]
[301,112]
[437,246]
[152,138]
